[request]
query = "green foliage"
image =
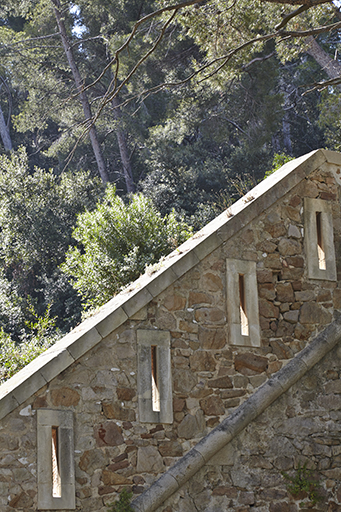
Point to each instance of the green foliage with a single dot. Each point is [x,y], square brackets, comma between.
[303,481]
[279,160]
[123,503]
[37,213]
[15,355]
[116,242]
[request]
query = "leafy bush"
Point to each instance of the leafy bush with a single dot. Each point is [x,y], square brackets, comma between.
[15,355]
[303,482]
[123,504]
[116,242]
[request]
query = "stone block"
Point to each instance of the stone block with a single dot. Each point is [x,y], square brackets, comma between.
[206,246]
[202,361]
[185,263]
[267,309]
[65,397]
[162,280]
[285,292]
[250,364]
[137,300]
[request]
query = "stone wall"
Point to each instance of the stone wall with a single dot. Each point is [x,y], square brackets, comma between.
[210,377]
[301,429]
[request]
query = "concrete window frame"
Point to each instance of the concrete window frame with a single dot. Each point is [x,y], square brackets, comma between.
[241,303]
[312,209]
[153,350]
[50,421]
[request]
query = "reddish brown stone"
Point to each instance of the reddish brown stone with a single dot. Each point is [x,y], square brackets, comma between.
[276,230]
[264,323]
[92,460]
[202,361]
[212,282]
[297,285]
[295,201]
[65,396]
[289,247]
[110,478]
[170,449]
[212,422]
[273,261]
[244,363]
[232,402]
[212,406]
[221,383]
[327,196]
[232,393]
[39,401]
[302,333]
[267,309]
[264,276]
[138,480]
[293,213]
[174,302]
[211,338]
[114,410]
[285,292]
[108,434]
[158,428]
[120,457]
[118,465]
[127,425]
[188,327]
[267,246]
[210,315]
[178,404]
[295,261]
[105,489]
[222,490]
[199,298]
[125,393]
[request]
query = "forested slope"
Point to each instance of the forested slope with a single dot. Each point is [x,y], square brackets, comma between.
[187,104]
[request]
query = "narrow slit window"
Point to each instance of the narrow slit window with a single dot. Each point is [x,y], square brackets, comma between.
[155,385]
[56,481]
[244,321]
[320,245]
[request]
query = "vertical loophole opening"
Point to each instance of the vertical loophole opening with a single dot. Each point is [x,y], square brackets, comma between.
[320,245]
[155,385]
[244,321]
[56,481]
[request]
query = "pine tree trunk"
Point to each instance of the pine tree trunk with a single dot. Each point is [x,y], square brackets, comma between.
[123,147]
[4,132]
[330,66]
[83,96]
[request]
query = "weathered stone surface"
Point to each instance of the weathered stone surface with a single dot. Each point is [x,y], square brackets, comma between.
[65,397]
[305,295]
[273,261]
[184,381]
[199,298]
[281,350]
[244,363]
[191,425]
[108,434]
[291,316]
[212,282]
[312,313]
[170,449]
[214,338]
[202,361]
[125,393]
[295,261]
[220,382]
[21,501]
[149,460]
[285,292]
[276,230]
[212,406]
[92,460]
[284,329]
[337,298]
[294,232]
[113,410]
[174,302]
[210,315]
[264,276]
[292,274]
[289,247]
[111,478]
[267,309]
[267,291]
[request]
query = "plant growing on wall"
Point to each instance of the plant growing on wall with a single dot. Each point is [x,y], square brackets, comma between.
[303,482]
[123,503]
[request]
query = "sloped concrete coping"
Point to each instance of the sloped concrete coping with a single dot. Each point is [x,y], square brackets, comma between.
[230,427]
[44,368]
